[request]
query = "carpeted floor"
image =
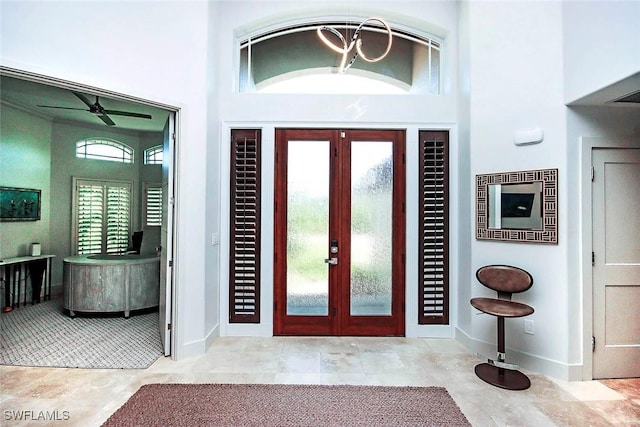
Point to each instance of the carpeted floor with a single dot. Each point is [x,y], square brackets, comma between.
[43,335]
[287,405]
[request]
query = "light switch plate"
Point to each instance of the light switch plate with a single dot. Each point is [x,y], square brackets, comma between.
[529,327]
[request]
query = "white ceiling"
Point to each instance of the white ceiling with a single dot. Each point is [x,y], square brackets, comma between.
[609,95]
[29,96]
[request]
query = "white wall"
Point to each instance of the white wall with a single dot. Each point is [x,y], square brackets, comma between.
[515,81]
[213,190]
[26,163]
[525,61]
[601,41]
[467,214]
[601,44]
[150,50]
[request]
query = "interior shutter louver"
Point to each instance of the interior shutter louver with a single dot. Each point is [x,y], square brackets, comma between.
[90,216]
[153,206]
[434,228]
[244,251]
[118,208]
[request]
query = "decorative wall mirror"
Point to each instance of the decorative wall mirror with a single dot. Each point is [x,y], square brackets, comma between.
[518,206]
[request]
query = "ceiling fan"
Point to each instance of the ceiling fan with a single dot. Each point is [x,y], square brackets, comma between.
[99,110]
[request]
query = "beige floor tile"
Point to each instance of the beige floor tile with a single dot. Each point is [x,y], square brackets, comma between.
[90,396]
[589,390]
[341,363]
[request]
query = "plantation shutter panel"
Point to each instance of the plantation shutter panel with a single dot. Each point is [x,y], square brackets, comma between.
[434,228]
[102,218]
[118,220]
[153,205]
[244,259]
[90,208]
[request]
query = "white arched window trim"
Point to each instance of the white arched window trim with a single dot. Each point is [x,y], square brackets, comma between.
[428,72]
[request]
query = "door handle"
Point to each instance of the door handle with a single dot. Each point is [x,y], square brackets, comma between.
[332,261]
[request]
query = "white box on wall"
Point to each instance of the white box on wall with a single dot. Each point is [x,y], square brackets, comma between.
[528,136]
[36,249]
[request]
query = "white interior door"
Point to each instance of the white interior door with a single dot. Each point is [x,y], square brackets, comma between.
[616,266]
[166,235]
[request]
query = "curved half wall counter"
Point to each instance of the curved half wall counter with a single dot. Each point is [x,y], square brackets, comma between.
[111,283]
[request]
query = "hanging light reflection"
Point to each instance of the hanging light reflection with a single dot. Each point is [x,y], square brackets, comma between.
[355,41]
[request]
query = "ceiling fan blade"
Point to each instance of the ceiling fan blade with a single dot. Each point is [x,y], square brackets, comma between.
[128,114]
[84,99]
[106,119]
[97,110]
[63,108]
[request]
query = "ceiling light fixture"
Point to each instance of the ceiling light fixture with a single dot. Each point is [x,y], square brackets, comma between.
[355,41]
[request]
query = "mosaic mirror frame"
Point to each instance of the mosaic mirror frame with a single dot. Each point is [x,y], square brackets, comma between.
[549,206]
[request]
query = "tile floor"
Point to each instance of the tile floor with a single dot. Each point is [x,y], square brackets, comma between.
[82,397]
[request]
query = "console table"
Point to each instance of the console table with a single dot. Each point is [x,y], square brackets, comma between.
[13,270]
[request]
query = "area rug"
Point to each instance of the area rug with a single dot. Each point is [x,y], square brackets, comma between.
[287,405]
[44,335]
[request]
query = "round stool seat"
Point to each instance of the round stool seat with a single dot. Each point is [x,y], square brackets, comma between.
[502,308]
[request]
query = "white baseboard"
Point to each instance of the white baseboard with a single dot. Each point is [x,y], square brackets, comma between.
[197,347]
[212,335]
[526,361]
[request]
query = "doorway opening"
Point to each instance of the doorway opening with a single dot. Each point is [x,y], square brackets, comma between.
[339,232]
[29,94]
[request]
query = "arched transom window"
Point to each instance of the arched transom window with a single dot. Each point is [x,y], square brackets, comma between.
[295,60]
[104,149]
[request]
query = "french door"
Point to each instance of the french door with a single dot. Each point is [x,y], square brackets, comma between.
[339,232]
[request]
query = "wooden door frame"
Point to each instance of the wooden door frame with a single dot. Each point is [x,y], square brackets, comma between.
[359,325]
[307,325]
[344,324]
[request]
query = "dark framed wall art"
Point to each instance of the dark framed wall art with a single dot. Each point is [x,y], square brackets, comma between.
[19,204]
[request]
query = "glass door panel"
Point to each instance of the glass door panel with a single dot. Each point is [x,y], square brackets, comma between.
[307,228]
[339,232]
[371,228]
